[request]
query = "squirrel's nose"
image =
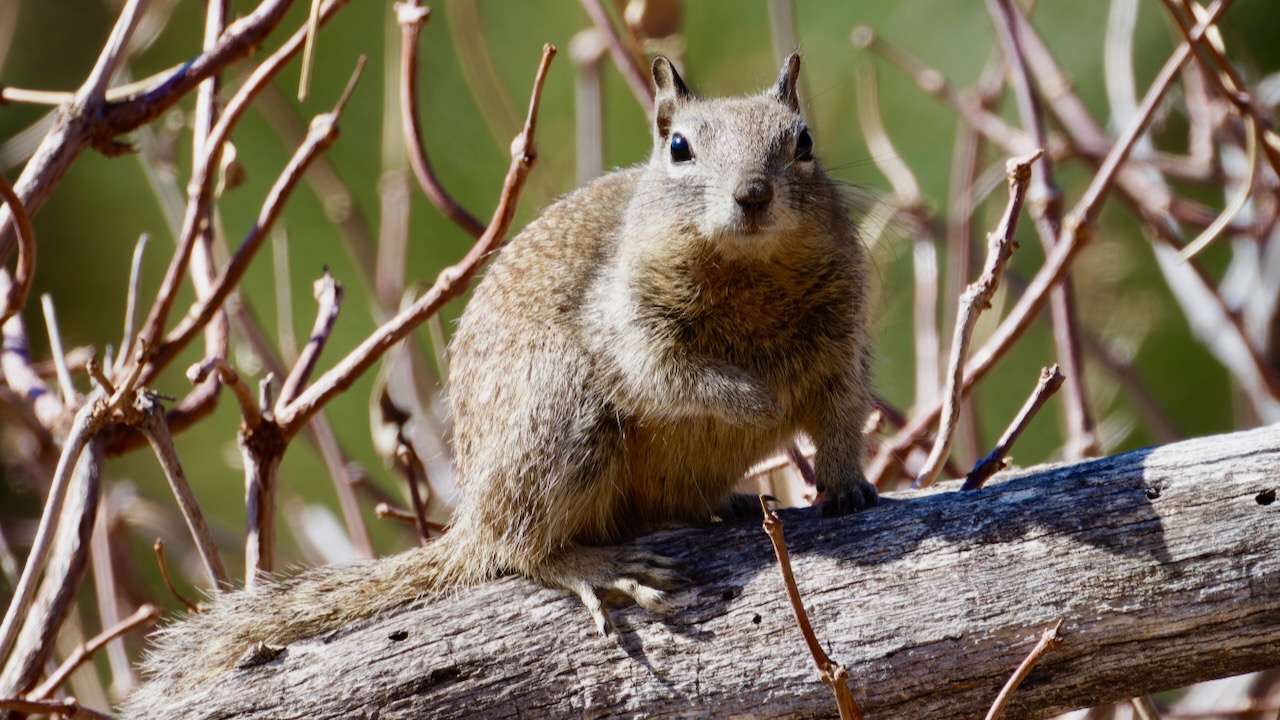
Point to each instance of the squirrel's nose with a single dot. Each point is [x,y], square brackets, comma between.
[754,193]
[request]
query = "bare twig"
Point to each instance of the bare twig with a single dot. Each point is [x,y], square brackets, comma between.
[69,395]
[1076,234]
[16,296]
[81,125]
[309,52]
[94,90]
[322,135]
[21,377]
[1145,708]
[387,511]
[452,282]
[1046,212]
[288,341]
[587,50]
[202,177]
[262,448]
[1225,76]
[832,674]
[328,294]
[100,377]
[629,64]
[155,429]
[802,464]
[131,300]
[1049,640]
[66,707]
[1050,380]
[144,615]
[88,420]
[168,581]
[415,474]
[924,258]
[977,297]
[412,17]
[249,410]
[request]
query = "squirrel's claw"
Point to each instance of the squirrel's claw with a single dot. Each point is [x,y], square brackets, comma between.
[645,577]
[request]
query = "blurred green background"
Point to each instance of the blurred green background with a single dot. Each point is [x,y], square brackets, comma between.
[88,229]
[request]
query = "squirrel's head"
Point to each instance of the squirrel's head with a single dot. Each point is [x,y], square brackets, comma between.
[744,166]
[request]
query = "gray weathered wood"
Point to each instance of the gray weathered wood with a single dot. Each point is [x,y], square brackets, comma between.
[1164,564]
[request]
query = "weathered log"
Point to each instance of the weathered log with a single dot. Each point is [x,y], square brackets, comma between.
[1163,564]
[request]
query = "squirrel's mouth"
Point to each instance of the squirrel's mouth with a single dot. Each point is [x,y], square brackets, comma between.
[749,226]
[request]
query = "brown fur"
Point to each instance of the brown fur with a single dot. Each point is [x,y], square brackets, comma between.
[627,358]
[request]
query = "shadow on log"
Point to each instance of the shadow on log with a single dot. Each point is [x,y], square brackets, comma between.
[1161,562]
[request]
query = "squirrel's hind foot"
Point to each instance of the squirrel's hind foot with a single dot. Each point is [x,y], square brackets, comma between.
[599,573]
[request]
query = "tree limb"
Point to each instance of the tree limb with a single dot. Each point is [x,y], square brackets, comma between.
[1159,561]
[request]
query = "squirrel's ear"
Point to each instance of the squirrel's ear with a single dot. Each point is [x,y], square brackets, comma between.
[785,90]
[670,91]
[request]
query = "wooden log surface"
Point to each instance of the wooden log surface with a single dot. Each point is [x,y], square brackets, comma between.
[1164,565]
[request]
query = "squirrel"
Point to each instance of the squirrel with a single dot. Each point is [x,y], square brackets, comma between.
[627,358]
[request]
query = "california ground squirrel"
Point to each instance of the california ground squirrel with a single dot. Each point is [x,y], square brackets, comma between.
[628,357]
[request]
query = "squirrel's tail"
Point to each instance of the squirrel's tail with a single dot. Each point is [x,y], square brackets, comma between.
[280,611]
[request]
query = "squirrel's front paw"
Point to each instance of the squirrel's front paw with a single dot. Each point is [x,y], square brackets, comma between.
[847,497]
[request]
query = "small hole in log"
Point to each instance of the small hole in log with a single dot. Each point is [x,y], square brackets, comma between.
[756,620]
[1266,497]
[399,635]
[1153,493]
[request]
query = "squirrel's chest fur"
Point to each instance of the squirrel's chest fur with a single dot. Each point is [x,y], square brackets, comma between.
[536,327]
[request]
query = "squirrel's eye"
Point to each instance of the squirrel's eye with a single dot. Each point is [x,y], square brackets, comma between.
[804,146]
[680,150]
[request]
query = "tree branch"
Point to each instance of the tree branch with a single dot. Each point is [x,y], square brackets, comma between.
[1160,561]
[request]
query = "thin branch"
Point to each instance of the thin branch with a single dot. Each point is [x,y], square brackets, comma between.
[288,341]
[309,52]
[386,511]
[155,429]
[629,64]
[415,474]
[1046,212]
[1226,77]
[88,420]
[94,90]
[328,294]
[79,126]
[1049,640]
[1051,379]
[131,300]
[22,378]
[66,707]
[832,674]
[586,51]
[412,17]
[1145,708]
[69,395]
[322,135]
[977,297]
[191,607]
[144,615]
[202,177]
[249,410]
[451,283]
[100,377]
[25,270]
[318,431]
[1076,234]
[54,98]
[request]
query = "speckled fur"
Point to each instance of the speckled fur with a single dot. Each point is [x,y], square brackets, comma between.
[627,358]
